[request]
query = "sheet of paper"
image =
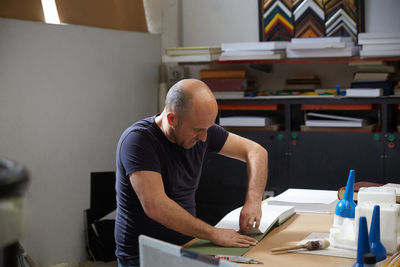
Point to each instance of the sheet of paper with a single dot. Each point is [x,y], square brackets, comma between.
[307,196]
[271,215]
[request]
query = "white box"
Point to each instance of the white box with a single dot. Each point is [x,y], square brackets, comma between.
[389,222]
[377,195]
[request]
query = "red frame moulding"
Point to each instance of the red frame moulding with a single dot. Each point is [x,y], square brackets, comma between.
[248,107]
[339,107]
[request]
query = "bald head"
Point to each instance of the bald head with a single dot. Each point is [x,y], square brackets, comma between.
[190,95]
[190,110]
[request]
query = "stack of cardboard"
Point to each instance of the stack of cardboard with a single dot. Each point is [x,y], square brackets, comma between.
[253,50]
[378,75]
[379,44]
[321,47]
[225,83]
[192,54]
[303,83]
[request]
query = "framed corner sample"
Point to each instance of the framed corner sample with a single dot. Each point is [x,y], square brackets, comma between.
[281,20]
[344,17]
[276,20]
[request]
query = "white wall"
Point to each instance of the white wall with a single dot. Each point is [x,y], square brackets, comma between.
[382,16]
[212,22]
[66,95]
[171,17]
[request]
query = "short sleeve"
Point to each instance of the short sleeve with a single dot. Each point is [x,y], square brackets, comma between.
[138,153]
[216,138]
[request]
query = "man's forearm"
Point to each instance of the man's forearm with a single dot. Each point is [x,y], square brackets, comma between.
[173,216]
[162,209]
[257,170]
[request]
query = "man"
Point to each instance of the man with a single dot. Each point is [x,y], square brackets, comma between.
[159,162]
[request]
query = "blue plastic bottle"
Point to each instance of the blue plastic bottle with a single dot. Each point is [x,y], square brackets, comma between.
[363,242]
[346,207]
[375,236]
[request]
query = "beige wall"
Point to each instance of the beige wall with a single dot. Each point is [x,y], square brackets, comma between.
[66,95]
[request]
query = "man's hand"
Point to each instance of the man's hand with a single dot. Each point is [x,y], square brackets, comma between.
[251,213]
[230,238]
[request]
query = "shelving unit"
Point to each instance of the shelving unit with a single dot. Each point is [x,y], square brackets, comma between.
[302,159]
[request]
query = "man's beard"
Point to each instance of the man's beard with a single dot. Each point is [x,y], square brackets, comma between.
[178,141]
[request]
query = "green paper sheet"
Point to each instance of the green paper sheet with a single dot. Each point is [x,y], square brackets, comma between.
[208,248]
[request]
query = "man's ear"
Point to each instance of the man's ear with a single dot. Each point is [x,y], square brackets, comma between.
[171,118]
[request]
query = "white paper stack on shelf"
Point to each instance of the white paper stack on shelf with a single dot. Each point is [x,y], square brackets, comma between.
[326,120]
[379,44]
[192,54]
[321,47]
[228,95]
[246,121]
[253,50]
[364,92]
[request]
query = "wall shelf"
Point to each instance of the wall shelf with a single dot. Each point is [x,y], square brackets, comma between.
[295,60]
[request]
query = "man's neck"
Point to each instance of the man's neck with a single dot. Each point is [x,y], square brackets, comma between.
[162,123]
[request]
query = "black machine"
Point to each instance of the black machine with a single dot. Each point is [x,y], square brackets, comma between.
[13,183]
[100,243]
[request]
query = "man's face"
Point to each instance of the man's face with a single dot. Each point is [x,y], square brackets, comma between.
[191,128]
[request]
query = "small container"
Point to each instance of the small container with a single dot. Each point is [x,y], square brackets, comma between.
[369,260]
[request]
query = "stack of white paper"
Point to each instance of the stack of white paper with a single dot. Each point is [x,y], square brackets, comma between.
[192,54]
[253,50]
[321,47]
[326,120]
[364,92]
[245,121]
[307,200]
[379,44]
[228,95]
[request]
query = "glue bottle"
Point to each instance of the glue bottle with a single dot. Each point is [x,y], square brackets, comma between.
[346,207]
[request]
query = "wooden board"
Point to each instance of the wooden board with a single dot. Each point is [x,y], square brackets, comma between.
[22,9]
[120,14]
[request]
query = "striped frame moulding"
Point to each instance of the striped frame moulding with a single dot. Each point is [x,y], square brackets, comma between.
[341,18]
[277,20]
[281,20]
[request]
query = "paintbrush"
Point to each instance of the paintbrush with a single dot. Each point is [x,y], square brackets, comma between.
[310,245]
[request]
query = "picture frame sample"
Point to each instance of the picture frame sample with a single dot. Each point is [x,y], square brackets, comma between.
[281,20]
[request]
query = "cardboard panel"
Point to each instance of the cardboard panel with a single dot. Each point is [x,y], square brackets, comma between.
[22,9]
[290,233]
[112,14]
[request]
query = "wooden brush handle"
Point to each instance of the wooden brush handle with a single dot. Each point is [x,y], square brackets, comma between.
[310,245]
[285,249]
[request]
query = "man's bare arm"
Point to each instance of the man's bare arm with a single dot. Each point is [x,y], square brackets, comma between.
[158,206]
[256,158]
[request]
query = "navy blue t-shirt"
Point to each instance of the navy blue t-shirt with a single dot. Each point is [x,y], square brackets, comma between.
[143,146]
